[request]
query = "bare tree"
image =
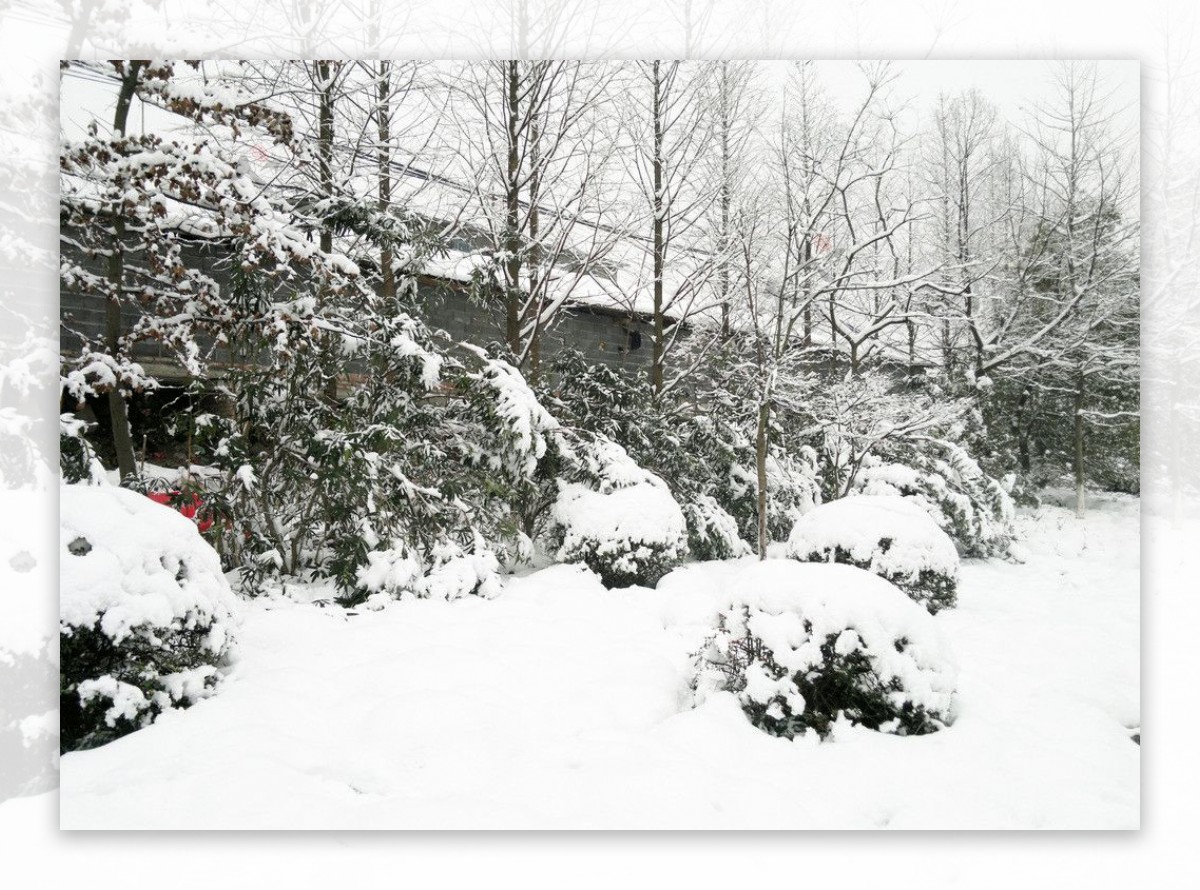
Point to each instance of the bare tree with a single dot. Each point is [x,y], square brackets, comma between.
[847,211]
[670,132]
[817,244]
[736,122]
[963,152]
[1070,320]
[528,136]
[1081,226]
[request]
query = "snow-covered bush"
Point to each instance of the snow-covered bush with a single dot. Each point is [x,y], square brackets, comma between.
[889,536]
[433,446]
[702,456]
[621,520]
[712,532]
[146,615]
[398,573]
[804,645]
[77,460]
[974,509]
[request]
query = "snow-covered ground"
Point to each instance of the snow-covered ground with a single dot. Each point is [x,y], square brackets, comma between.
[562,705]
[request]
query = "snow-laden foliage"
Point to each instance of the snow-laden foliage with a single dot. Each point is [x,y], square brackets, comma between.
[889,536]
[974,509]
[430,454]
[147,618]
[343,426]
[513,445]
[77,461]
[860,417]
[805,645]
[701,456]
[620,519]
[514,410]
[129,205]
[712,532]
[792,490]
[313,478]
[400,572]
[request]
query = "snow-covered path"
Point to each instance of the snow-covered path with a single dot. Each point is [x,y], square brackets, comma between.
[562,705]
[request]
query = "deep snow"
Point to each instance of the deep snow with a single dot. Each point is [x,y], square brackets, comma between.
[562,705]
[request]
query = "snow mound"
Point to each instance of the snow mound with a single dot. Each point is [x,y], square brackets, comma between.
[625,524]
[803,646]
[146,615]
[889,536]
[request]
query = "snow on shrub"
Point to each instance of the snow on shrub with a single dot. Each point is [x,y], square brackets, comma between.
[974,509]
[518,425]
[712,532]
[804,645]
[622,521]
[792,490]
[146,615]
[453,573]
[889,536]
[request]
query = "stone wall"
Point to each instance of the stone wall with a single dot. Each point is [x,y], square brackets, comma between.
[612,338]
[616,339]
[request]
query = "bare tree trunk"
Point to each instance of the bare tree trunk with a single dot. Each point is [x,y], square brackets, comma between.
[513,209]
[947,348]
[726,202]
[118,411]
[325,168]
[832,334]
[1079,473]
[912,347]
[384,112]
[656,368]
[1020,429]
[535,257]
[325,144]
[764,417]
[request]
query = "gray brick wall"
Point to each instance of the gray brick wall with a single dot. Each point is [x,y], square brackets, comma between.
[602,337]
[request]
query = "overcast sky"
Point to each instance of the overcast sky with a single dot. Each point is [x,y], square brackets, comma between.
[1013,86]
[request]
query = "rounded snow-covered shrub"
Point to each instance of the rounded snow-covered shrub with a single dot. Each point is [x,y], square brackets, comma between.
[974,509]
[146,615]
[804,645]
[889,536]
[712,531]
[622,521]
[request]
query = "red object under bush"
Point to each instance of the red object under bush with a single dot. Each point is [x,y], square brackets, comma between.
[186,508]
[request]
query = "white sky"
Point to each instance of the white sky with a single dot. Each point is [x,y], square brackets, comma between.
[1012,85]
